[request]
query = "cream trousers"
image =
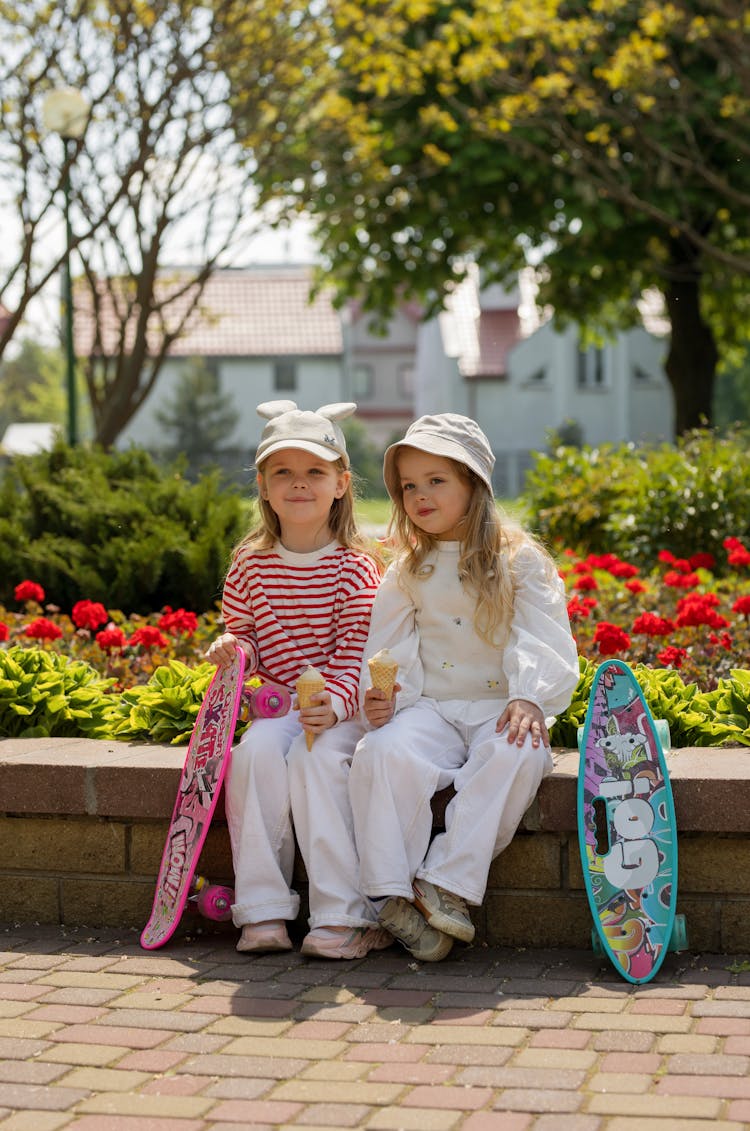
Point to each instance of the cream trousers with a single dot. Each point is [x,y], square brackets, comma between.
[396,770]
[274,786]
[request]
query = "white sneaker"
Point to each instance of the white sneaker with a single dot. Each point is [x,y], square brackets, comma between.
[443,910]
[405,923]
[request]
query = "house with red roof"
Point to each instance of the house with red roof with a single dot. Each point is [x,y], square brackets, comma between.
[488,355]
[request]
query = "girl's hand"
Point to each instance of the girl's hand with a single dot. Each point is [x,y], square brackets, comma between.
[222,651]
[320,715]
[379,710]
[522,718]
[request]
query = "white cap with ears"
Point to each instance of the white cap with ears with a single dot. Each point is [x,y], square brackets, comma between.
[315,432]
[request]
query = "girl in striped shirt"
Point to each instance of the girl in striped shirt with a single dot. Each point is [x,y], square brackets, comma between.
[299,592]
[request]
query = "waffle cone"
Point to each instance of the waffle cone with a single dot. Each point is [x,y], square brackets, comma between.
[383,671]
[309,684]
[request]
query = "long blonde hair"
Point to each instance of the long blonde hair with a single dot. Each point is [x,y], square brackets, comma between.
[489,544]
[265,533]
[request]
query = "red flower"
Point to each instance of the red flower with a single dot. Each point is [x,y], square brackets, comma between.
[4,632]
[585,582]
[725,640]
[666,556]
[179,623]
[43,629]
[678,580]
[110,638]
[581,608]
[649,624]
[610,639]
[739,557]
[702,561]
[88,614]
[699,608]
[29,591]
[672,657]
[602,561]
[148,637]
[742,606]
[623,569]
[737,554]
[636,586]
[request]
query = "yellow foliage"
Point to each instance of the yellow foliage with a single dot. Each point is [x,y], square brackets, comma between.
[435,116]
[436,155]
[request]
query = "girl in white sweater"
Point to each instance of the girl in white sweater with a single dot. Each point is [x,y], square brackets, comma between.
[473,610]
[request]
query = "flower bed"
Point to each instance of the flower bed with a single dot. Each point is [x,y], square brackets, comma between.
[684,626]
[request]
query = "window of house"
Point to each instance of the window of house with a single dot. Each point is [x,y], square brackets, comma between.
[405,380]
[363,382]
[284,376]
[538,377]
[591,373]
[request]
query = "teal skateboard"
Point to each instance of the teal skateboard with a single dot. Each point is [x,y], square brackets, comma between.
[627,830]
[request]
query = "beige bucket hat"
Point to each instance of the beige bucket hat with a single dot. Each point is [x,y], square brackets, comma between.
[446,434]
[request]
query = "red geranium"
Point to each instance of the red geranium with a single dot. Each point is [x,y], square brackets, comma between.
[585,582]
[110,638]
[88,614]
[636,586]
[742,606]
[43,629]
[610,639]
[4,631]
[179,622]
[29,591]
[649,624]
[725,640]
[739,557]
[148,637]
[581,607]
[699,608]
[702,561]
[623,569]
[679,580]
[672,657]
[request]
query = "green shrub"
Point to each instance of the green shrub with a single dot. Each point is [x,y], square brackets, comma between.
[685,497]
[115,528]
[43,694]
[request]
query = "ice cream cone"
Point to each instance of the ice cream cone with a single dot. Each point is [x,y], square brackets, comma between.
[383,671]
[309,684]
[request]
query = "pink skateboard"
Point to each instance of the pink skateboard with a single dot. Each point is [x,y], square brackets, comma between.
[206,764]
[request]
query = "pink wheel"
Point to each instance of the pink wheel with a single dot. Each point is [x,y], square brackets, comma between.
[270,702]
[215,902]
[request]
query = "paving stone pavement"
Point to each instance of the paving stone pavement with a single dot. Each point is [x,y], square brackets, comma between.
[99,1035]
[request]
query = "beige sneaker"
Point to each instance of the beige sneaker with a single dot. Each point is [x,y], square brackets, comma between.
[258,938]
[344,942]
[405,923]
[443,910]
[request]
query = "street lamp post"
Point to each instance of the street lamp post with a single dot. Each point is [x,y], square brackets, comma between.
[65,111]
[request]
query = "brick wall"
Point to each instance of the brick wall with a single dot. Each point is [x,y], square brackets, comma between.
[83,824]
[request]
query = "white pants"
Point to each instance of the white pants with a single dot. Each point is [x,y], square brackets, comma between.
[396,770]
[272,780]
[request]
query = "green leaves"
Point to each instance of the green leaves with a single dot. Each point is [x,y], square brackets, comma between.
[696,718]
[164,709]
[43,694]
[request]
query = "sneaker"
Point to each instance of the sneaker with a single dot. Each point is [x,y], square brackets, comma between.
[443,910]
[405,923]
[261,937]
[344,942]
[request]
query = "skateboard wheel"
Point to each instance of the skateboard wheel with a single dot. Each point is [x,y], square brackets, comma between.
[215,902]
[270,702]
[678,940]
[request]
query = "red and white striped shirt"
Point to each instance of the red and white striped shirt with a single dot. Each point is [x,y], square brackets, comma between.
[290,610]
